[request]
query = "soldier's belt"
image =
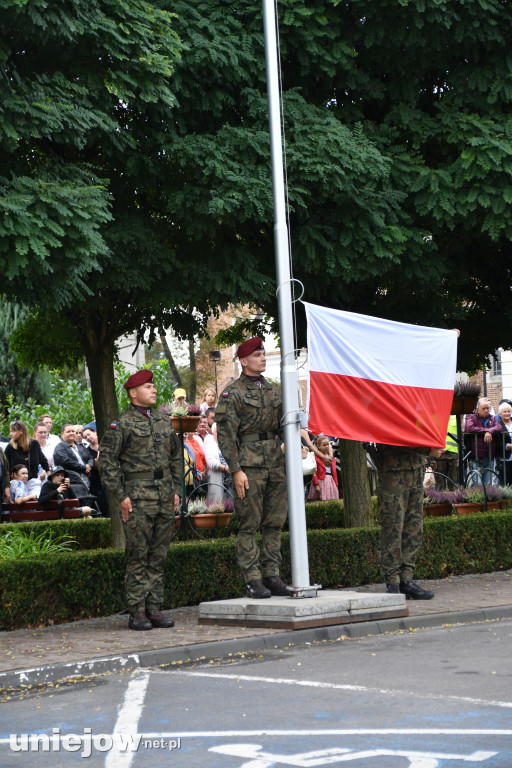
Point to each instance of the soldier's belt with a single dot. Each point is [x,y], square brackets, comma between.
[158,474]
[252,437]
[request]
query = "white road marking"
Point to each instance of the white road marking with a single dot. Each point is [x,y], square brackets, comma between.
[128,717]
[323,757]
[333,732]
[340,687]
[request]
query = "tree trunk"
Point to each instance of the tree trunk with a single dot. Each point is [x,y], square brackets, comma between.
[356,487]
[99,354]
[170,358]
[193,371]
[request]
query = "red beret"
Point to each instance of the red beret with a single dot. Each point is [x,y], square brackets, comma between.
[136,379]
[249,346]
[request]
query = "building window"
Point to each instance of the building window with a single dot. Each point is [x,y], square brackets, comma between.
[496,363]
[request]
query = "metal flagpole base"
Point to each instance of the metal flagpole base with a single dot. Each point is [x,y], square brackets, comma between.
[301,592]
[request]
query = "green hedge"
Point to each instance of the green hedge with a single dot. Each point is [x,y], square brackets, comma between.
[82,584]
[96,532]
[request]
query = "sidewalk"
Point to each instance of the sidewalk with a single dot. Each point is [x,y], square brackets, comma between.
[98,646]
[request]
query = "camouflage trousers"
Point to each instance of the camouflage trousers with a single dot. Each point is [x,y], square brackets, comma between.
[400,497]
[148,535]
[264,507]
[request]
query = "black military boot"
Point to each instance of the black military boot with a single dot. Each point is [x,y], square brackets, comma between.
[139,621]
[412,591]
[158,620]
[256,589]
[392,589]
[276,586]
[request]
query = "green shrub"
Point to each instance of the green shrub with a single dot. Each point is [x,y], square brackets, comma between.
[81,584]
[17,544]
[94,533]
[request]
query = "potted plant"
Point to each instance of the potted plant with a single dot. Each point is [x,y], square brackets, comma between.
[494,497]
[185,418]
[473,500]
[215,514]
[506,495]
[440,503]
[465,396]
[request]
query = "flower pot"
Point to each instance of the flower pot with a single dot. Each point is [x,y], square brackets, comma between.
[438,510]
[210,519]
[494,505]
[184,423]
[468,507]
[463,404]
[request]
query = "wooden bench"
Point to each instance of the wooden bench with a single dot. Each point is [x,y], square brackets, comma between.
[30,510]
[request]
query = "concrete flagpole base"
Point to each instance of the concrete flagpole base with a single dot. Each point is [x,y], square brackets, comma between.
[328,608]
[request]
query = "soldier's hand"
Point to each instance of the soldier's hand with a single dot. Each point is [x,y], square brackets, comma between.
[436,452]
[126,508]
[241,483]
[176,502]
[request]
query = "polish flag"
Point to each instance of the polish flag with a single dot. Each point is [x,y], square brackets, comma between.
[379,381]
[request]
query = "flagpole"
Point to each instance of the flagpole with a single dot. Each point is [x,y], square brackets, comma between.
[289,384]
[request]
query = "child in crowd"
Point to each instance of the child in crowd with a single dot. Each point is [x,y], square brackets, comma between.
[325,480]
[57,488]
[208,400]
[20,492]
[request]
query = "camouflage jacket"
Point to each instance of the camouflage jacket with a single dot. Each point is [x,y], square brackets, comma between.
[135,444]
[244,413]
[395,458]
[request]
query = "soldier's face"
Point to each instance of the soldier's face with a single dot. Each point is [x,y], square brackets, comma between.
[144,395]
[255,363]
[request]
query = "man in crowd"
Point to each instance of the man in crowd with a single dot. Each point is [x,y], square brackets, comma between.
[482,428]
[41,435]
[52,441]
[73,456]
[248,419]
[400,499]
[210,418]
[142,465]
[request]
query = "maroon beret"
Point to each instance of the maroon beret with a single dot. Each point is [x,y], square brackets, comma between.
[250,346]
[136,379]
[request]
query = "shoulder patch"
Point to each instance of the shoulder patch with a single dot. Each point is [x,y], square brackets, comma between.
[225,394]
[113,424]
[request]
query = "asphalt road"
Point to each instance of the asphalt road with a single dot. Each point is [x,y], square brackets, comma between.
[424,698]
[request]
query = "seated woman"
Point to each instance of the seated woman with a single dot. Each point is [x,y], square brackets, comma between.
[20,492]
[57,488]
[22,450]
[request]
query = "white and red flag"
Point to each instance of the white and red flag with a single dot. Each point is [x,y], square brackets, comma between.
[377,380]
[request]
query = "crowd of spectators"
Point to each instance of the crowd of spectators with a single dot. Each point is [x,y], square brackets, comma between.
[26,463]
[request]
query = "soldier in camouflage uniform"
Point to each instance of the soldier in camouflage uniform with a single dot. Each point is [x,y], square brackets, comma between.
[400,497]
[248,419]
[141,464]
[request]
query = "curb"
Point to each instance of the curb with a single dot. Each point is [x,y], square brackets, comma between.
[53,673]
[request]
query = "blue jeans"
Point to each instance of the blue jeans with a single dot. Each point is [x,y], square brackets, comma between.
[480,465]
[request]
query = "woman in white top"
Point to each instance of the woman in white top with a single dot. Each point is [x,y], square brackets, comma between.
[215,466]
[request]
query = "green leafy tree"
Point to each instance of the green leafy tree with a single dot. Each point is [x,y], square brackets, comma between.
[397,118]
[16,382]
